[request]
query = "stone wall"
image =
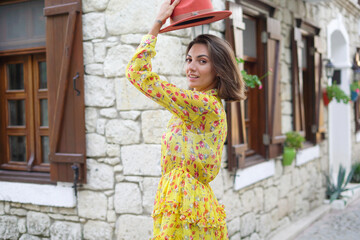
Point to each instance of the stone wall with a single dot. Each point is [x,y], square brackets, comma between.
[123,138]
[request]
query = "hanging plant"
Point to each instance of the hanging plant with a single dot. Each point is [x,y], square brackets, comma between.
[251,81]
[334,91]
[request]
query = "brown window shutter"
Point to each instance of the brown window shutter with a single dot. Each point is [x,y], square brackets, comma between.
[318,129]
[66,108]
[236,140]
[297,83]
[272,88]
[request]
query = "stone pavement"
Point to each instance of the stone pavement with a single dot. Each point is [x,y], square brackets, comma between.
[336,225]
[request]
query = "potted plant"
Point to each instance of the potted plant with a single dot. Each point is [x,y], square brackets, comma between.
[251,81]
[334,91]
[356,176]
[293,142]
[335,191]
[354,90]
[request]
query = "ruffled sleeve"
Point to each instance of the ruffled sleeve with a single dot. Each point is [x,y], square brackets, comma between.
[186,104]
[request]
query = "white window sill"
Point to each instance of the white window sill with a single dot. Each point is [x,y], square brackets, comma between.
[248,176]
[358,137]
[307,155]
[61,195]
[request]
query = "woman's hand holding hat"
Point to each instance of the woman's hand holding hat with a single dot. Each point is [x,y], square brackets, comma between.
[166,9]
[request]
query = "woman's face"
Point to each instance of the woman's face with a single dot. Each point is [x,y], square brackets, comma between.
[200,71]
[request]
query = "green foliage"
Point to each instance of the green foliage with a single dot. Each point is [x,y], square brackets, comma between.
[355,86]
[334,91]
[333,191]
[294,140]
[356,176]
[251,81]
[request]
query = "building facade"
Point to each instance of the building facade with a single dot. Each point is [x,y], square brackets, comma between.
[80,146]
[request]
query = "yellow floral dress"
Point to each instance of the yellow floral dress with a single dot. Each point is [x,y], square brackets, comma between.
[191,148]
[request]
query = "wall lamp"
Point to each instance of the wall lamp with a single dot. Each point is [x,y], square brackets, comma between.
[329,68]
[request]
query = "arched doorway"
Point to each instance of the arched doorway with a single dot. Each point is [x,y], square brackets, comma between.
[339,113]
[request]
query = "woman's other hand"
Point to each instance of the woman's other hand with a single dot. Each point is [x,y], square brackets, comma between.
[165,11]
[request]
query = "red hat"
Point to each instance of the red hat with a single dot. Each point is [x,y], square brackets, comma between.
[190,13]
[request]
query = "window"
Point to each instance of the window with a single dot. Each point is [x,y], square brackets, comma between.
[306,70]
[25,113]
[254,133]
[42,125]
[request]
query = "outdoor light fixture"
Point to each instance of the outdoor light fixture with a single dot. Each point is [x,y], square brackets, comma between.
[329,68]
[201,29]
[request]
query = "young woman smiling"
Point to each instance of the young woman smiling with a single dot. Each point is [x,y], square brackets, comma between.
[191,148]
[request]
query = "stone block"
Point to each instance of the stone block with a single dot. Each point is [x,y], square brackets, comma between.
[94,69]
[95,145]
[118,10]
[22,225]
[122,131]
[248,224]
[286,123]
[131,38]
[233,207]
[217,185]
[111,216]
[94,5]
[127,227]
[88,52]
[141,160]
[283,206]
[284,185]
[9,227]
[235,237]
[129,98]
[170,56]
[92,205]
[110,161]
[93,25]
[116,60]
[113,150]
[153,125]
[2,208]
[247,200]
[94,230]
[286,108]
[99,91]
[271,195]
[258,199]
[65,230]
[130,115]
[29,237]
[108,112]
[100,176]
[254,236]
[149,187]
[180,82]
[127,198]
[38,223]
[99,52]
[100,126]
[90,119]
[233,226]
[18,212]
[263,226]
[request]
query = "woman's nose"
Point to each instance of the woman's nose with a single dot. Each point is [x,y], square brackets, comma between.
[191,66]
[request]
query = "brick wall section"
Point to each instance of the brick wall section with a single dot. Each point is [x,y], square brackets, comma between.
[123,137]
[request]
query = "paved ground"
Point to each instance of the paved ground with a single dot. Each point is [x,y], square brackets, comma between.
[336,225]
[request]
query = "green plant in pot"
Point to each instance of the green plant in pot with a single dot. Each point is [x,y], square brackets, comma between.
[293,142]
[334,91]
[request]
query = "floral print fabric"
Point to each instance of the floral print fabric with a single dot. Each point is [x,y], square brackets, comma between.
[191,148]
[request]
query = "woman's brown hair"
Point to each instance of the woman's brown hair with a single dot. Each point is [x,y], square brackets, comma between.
[231,86]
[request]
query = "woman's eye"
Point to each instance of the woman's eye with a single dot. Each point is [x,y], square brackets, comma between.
[203,61]
[188,60]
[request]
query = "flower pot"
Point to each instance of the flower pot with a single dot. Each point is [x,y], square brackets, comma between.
[354,96]
[288,156]
[326,99]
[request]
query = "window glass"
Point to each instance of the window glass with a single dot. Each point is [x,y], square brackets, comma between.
[44,112]
[22,25]
[42,75]
[45,149]
[17,113]
[17,148]
[250,38]
[15,76]
[304,53]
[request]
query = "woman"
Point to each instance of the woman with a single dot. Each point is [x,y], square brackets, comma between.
[185,206]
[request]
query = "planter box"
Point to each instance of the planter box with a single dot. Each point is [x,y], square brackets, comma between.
[349,196]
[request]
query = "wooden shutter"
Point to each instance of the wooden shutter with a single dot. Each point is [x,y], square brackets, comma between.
[297,83]
[318,128]
[236,140]
[66,108]
[273,138]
